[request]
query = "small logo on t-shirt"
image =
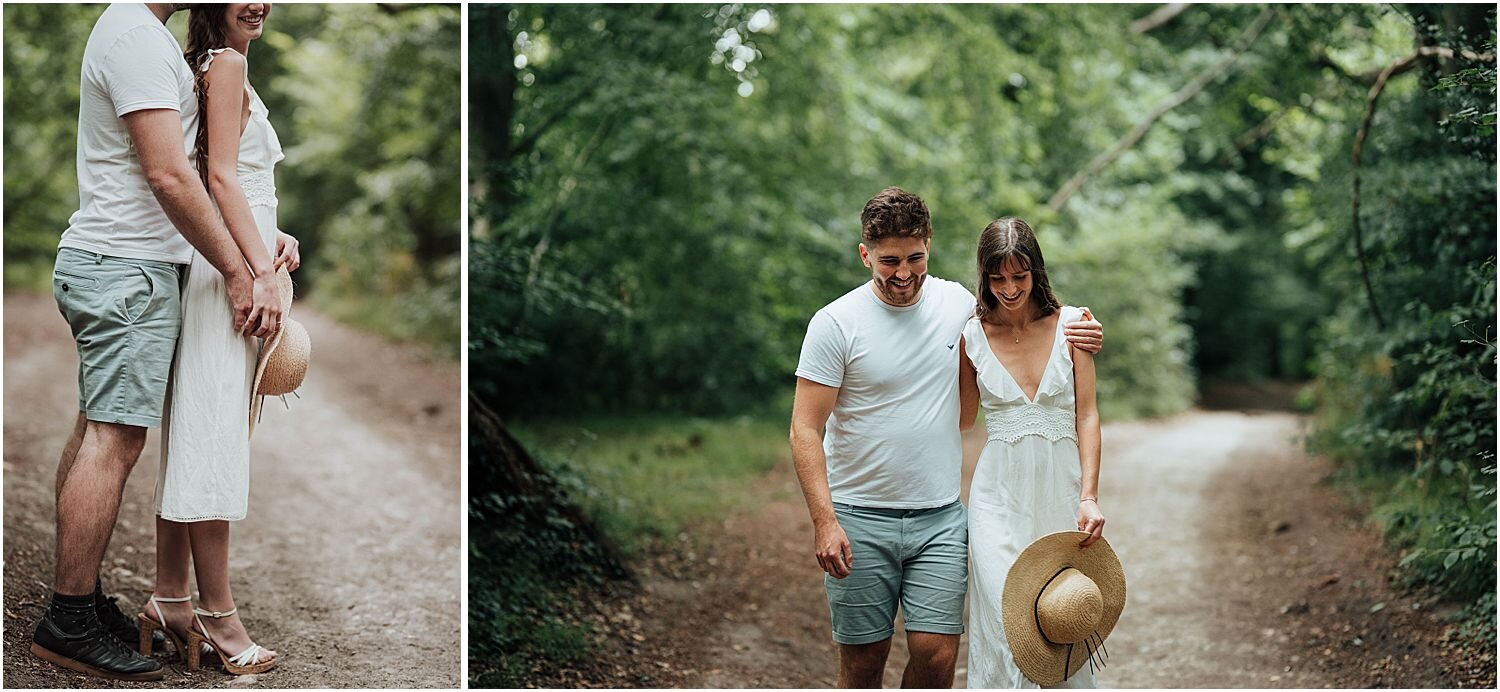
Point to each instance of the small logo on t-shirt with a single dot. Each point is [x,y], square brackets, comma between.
[950,346]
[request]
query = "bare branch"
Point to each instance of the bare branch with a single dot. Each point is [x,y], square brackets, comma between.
[1401,65]
[1255,134]
[1381,78]
[1158,17]
[394,8]
[1182,96]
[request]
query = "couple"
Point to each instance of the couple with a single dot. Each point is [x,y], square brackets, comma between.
[165,274]
[895,369]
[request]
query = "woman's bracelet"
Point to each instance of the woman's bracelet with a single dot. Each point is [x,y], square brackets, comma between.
[1095,500]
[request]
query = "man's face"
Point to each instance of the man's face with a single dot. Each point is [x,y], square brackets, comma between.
[898,266]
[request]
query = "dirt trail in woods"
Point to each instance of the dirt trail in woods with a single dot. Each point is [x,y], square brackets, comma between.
[1245,569]
[349,561]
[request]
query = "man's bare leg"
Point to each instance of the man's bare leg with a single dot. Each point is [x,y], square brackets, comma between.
[89,502]
[70,451]
[861,666]
[933,657]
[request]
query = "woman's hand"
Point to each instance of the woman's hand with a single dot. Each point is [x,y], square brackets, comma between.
[287,252]
[1090,521]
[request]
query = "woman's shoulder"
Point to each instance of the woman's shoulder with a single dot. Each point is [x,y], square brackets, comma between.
[221,60]
[1068,313]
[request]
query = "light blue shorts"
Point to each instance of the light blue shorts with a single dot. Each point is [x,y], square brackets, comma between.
[125,315]
[917,558]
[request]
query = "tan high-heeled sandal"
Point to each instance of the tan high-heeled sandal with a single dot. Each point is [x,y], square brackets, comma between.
[147,625]
[247,662]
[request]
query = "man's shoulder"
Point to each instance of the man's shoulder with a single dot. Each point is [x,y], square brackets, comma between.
[948,289]
[851,302]
[129,26]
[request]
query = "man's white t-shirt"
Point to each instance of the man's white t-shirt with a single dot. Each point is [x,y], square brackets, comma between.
[893,439]
[131,63]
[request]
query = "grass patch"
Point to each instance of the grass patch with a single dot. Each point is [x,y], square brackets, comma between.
[645,479]
[423,317]
[533,582]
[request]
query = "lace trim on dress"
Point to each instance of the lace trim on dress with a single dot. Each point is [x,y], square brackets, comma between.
[260,188]
[1015,422]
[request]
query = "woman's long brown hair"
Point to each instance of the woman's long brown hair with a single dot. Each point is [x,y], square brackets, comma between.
[205,33]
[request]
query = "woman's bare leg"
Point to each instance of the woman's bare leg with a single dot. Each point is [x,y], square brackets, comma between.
[210,541]
[173,562]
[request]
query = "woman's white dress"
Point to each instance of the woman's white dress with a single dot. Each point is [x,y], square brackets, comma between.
[1025,486]
[205,459]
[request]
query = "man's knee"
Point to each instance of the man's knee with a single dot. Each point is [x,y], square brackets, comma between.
[932,651]
[861,663]
[121,443]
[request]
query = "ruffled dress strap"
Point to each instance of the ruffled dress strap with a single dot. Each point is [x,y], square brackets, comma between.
[209,59]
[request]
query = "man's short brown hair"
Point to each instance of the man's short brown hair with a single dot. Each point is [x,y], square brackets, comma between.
[895,213]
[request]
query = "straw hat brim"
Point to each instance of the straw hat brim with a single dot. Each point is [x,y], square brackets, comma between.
[268,348]
[1044,662]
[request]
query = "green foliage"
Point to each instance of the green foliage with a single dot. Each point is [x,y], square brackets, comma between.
[366,102]
[1410,407]
[744,187]
[646,479]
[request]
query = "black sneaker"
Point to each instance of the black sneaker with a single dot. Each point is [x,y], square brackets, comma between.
[124,628]
[96,651]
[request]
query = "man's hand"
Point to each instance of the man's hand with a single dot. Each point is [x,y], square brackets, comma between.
[1085,334]
[240,287]
[265,309]
[834,554]
[287,252]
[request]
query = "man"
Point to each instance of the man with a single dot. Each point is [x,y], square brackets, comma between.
[880,367]
[142,213]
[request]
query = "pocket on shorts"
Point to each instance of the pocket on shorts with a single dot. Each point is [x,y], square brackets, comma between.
[134,293]
[67,281]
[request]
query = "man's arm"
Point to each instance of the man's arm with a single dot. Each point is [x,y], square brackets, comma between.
[968,389]
[157,134]
[1085,334]
[810,410]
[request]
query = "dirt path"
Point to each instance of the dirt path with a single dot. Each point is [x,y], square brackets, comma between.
[349,561]
[1245,569]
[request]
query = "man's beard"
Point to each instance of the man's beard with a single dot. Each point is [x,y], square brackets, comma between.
[913,291]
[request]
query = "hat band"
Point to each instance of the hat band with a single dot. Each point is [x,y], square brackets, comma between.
[1068,659]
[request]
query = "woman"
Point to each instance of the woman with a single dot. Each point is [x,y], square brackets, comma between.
[1039,471]
[204,481]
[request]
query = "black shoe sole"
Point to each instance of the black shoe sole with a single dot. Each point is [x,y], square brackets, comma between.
[71,664]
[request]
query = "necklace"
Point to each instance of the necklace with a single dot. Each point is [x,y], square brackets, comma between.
[1016,332]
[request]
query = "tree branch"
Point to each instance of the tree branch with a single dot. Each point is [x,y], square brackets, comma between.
[530,137]
[1401,65]
[1158,17]
[1255,134]
[1182,96]
[1381,78]
[393,8]
[565,190]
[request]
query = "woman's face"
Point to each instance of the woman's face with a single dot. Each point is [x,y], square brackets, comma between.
[244,22]
[1011,286]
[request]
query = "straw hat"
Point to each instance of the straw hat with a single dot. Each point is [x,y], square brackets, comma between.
[283,359]
[1059,604]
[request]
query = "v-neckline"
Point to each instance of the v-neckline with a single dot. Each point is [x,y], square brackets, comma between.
[1046,367]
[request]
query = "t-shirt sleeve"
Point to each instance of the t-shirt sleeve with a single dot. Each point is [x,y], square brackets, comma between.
[141,70]
[824,351]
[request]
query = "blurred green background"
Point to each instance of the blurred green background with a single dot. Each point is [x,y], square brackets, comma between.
[663,195]
[366,100]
